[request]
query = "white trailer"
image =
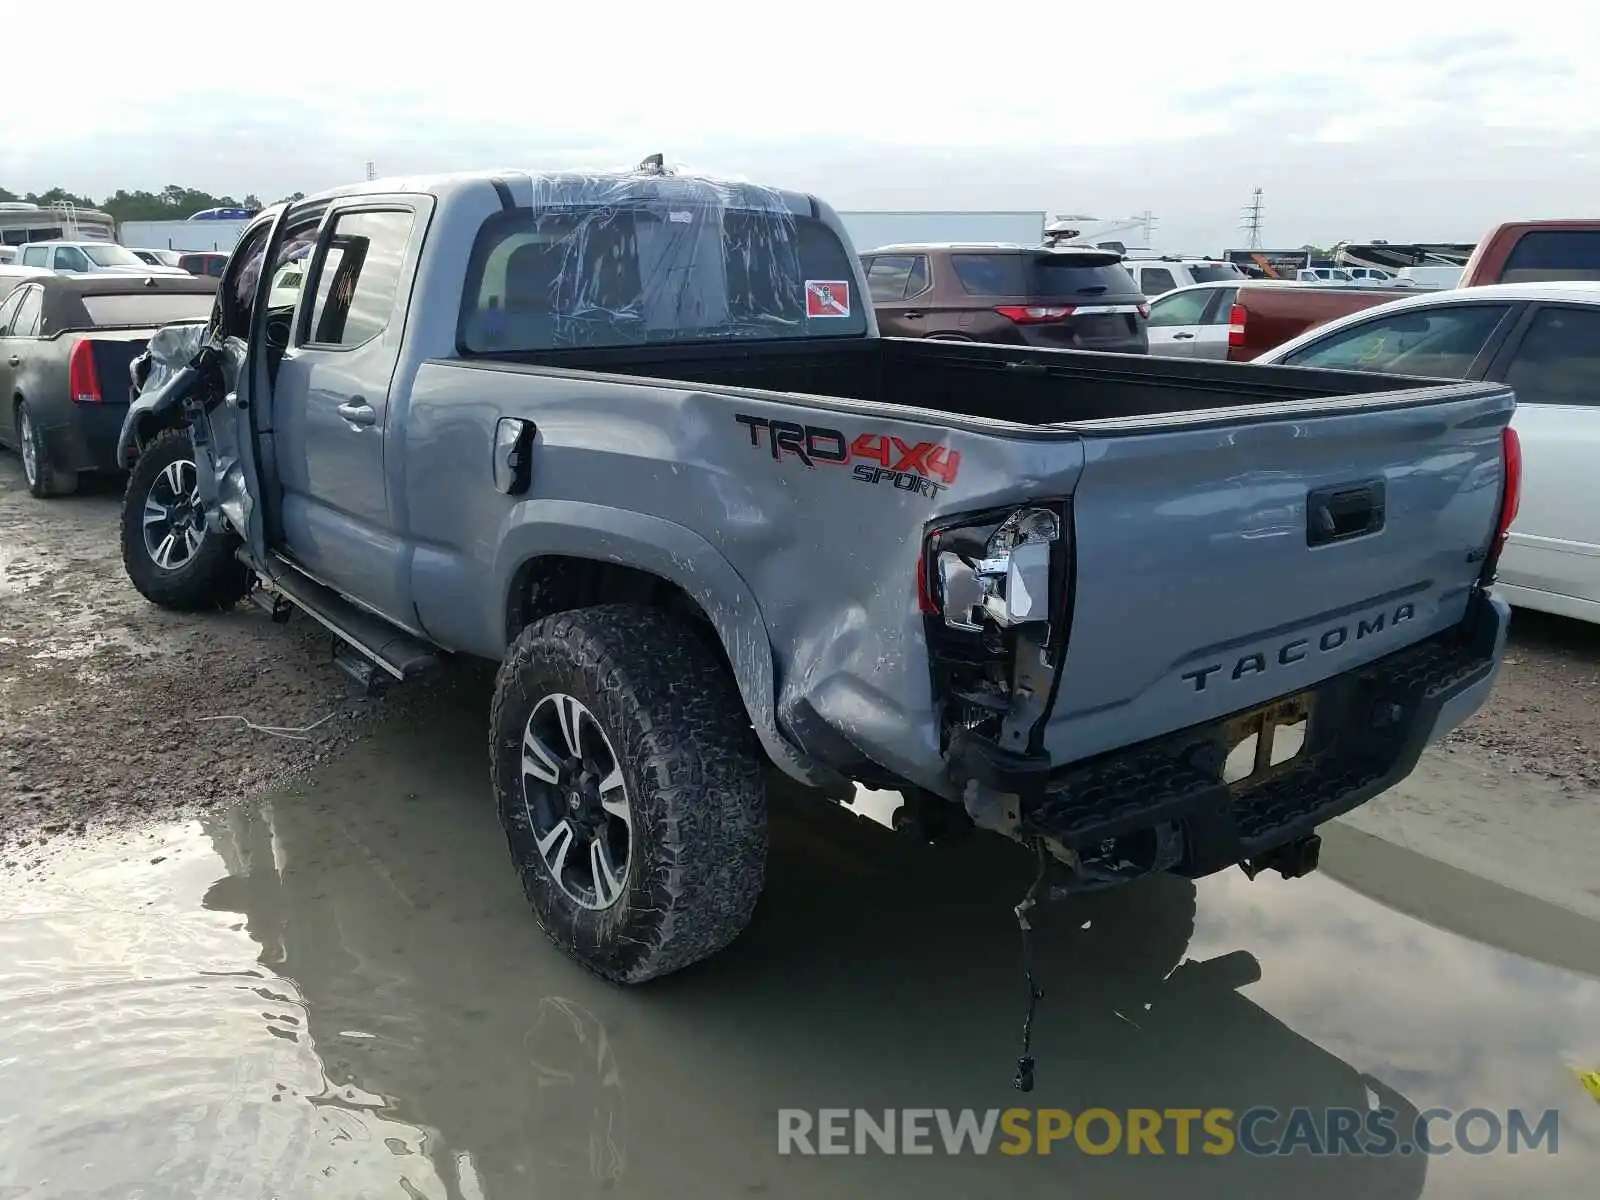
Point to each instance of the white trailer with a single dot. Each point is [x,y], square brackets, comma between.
[181,235]
[869,230]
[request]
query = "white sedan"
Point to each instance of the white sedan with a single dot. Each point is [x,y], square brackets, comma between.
[1192,322]
[1543,339]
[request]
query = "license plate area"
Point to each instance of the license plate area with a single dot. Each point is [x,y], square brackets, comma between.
[1101,326]
[1265,742]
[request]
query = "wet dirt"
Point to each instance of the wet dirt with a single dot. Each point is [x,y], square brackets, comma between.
[108,704]
[246,966]
[338,991]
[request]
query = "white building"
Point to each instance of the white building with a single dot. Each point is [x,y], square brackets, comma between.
[182,235]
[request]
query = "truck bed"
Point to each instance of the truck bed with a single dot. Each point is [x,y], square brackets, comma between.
[1237,533]
[1018,385]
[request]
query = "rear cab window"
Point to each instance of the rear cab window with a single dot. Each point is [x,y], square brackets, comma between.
[1547,254]
[601,262]
[1042,274]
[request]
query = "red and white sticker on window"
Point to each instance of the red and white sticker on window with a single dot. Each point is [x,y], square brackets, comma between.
[827,298]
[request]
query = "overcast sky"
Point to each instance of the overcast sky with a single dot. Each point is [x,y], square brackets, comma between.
[1408,120]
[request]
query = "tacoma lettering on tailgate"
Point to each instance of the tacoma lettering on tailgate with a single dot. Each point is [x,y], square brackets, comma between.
[1291,652]
[923,467]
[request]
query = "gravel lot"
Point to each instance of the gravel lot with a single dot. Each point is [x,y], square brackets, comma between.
[102,695]
[104,699]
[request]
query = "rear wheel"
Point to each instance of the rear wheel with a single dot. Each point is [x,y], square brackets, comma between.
[43,479]
[171,556]
[630,789]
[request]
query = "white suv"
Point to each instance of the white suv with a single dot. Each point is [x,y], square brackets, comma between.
[1157,275]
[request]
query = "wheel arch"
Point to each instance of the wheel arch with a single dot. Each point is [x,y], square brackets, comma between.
[144,425]
[561,555]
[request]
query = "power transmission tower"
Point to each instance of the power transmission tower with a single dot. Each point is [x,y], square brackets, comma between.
[372,170]
[1253,219]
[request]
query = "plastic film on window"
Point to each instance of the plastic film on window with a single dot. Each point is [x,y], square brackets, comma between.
[648,256]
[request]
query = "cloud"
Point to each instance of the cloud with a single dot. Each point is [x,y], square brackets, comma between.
[1374,124]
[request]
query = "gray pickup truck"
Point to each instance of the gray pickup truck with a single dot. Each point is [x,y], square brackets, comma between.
[635,437]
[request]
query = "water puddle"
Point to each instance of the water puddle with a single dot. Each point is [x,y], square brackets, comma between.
[341,993]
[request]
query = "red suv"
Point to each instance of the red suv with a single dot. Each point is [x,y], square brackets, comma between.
[1063,299]
[204,262]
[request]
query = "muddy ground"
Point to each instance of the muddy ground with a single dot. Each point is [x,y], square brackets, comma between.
[106,703]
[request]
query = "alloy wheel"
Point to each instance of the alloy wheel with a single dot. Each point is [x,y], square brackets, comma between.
[576,801]
[174,518]
[30,452]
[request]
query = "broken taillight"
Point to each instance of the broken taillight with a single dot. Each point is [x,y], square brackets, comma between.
[993,587]
[83,377]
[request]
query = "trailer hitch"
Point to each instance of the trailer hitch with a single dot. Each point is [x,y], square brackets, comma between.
[1291,860]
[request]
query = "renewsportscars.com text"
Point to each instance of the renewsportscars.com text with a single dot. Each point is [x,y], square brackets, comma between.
[1163,1131]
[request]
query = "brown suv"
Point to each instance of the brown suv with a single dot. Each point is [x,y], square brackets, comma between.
[1062,299]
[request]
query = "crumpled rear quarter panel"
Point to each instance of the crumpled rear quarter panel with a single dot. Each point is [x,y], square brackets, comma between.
[828,550]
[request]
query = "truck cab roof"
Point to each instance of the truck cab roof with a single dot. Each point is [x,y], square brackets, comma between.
[524,188]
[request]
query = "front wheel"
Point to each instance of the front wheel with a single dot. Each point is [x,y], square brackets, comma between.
[629,785]
[169,554]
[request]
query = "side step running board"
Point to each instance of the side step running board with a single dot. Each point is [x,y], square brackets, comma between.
[394,651]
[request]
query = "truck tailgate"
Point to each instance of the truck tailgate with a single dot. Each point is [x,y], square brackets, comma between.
[1230,558]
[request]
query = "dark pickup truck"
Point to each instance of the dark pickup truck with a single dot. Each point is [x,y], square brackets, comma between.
[635,438]
[66,342]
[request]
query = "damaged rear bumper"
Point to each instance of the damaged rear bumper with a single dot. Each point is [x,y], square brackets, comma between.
[1367,731]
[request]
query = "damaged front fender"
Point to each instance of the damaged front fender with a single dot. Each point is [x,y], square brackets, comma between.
[157,387]
[184,378]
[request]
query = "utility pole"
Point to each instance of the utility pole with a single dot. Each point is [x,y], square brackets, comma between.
[372,171]
[1253,219]
[1148,222]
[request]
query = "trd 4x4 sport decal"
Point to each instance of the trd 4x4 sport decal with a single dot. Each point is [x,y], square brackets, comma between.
[924,467]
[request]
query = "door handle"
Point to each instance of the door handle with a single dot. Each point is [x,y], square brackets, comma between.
[15,360]
[358,412]
[1182,337]
[1335,514]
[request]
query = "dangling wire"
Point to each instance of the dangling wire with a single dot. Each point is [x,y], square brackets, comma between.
[1023,1079]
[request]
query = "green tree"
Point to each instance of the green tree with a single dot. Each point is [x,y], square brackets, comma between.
[173,202]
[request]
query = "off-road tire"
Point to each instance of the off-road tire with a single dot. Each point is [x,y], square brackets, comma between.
[213,579]
[692,769]
[48,482]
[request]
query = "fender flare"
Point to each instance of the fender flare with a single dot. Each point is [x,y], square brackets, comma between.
[151,406]
[682,557]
